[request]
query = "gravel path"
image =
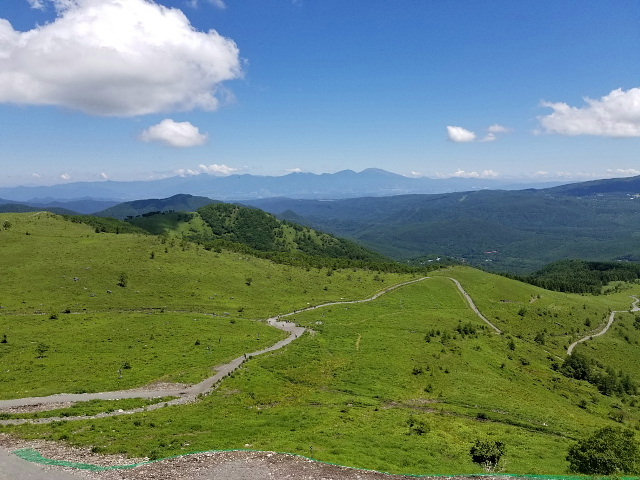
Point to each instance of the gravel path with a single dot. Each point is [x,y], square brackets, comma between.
[14,468]
[185,394]
[612,316]
[233,465]
[473,305]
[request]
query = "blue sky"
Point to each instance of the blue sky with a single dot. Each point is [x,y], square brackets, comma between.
[132,89]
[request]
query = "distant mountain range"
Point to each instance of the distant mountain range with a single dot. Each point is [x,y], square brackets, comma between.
[344,184]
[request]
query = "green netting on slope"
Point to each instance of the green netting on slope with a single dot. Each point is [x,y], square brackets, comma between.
[32,455]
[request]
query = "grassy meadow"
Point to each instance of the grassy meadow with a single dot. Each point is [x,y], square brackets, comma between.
[403,384]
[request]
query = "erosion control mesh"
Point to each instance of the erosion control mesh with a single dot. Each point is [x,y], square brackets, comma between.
[32,455]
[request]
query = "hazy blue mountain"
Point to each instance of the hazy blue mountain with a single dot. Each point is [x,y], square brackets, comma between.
[83,205]
[630,185]
[176,203]
[344,184]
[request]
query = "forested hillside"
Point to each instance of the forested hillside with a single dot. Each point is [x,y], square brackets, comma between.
[579,276]
[253,231]
[516,231]
[177,203]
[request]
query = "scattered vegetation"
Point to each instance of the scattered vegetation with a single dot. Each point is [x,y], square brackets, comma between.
[608,451]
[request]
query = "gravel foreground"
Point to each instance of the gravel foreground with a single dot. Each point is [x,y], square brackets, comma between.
[202,466]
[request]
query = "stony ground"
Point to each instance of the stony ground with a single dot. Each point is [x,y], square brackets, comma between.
[203,466]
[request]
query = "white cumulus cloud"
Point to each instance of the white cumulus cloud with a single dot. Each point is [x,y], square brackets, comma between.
[104,176]
[459,134]
[614,115]
[65,176]
[216,169]
[116,58]
[174,134]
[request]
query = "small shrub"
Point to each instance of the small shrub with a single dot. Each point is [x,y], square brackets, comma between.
[123,280]
[41,349]
[417,427]
[488,454]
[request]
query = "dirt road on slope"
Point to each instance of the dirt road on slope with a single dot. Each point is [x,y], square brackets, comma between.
[612,316]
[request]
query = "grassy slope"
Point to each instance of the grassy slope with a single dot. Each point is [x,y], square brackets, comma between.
[346,393]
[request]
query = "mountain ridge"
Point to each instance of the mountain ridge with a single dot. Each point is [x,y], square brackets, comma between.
[342,184]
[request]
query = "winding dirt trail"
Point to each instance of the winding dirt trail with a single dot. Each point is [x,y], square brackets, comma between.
[473,305]
[612,316]
[184,394]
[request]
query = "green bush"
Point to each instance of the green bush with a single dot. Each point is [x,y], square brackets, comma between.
[488,453]
[608,451]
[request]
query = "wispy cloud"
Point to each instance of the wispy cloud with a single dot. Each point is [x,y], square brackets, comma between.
[462,135]
[37,4]
[459,173]
[174,134]
[625,172]
[495,128]
[154,61]
[216,3]
[614,115]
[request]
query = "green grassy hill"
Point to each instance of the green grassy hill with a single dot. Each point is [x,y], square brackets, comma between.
[404,384]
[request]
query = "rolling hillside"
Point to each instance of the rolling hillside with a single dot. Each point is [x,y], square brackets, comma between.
[404,383]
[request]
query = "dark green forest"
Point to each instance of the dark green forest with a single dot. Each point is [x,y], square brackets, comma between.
[580,276]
